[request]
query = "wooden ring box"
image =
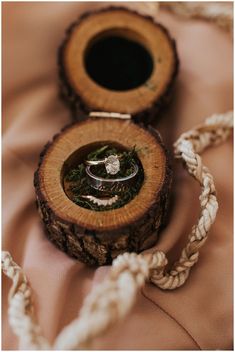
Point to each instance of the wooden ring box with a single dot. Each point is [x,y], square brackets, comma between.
[97,237]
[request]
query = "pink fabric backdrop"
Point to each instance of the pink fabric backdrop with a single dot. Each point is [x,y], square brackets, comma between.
[196,316]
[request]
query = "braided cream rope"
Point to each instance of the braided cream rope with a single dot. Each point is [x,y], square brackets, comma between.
[20,311]
[220,13]
[113,298]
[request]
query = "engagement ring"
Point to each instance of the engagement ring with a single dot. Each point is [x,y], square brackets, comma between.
[111,163]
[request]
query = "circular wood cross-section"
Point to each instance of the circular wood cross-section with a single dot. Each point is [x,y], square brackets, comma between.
[96,237]
[117,60]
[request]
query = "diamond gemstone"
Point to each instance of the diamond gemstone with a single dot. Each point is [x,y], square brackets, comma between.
[112,164]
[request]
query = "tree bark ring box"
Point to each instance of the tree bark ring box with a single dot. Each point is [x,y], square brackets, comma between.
[115,59]
[97,237]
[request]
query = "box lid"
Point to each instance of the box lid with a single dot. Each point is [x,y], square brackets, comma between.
[117,60]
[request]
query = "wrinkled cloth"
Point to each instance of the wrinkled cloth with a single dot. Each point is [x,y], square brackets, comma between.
[195,316]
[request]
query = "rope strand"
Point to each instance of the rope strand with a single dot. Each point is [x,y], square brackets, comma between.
[217,12]
[20,311]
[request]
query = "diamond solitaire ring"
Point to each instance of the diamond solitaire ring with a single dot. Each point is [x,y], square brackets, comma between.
[111,163]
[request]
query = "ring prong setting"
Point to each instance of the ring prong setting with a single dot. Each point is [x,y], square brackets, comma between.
[112,164]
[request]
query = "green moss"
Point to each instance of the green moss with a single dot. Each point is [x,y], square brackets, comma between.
[76,178]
